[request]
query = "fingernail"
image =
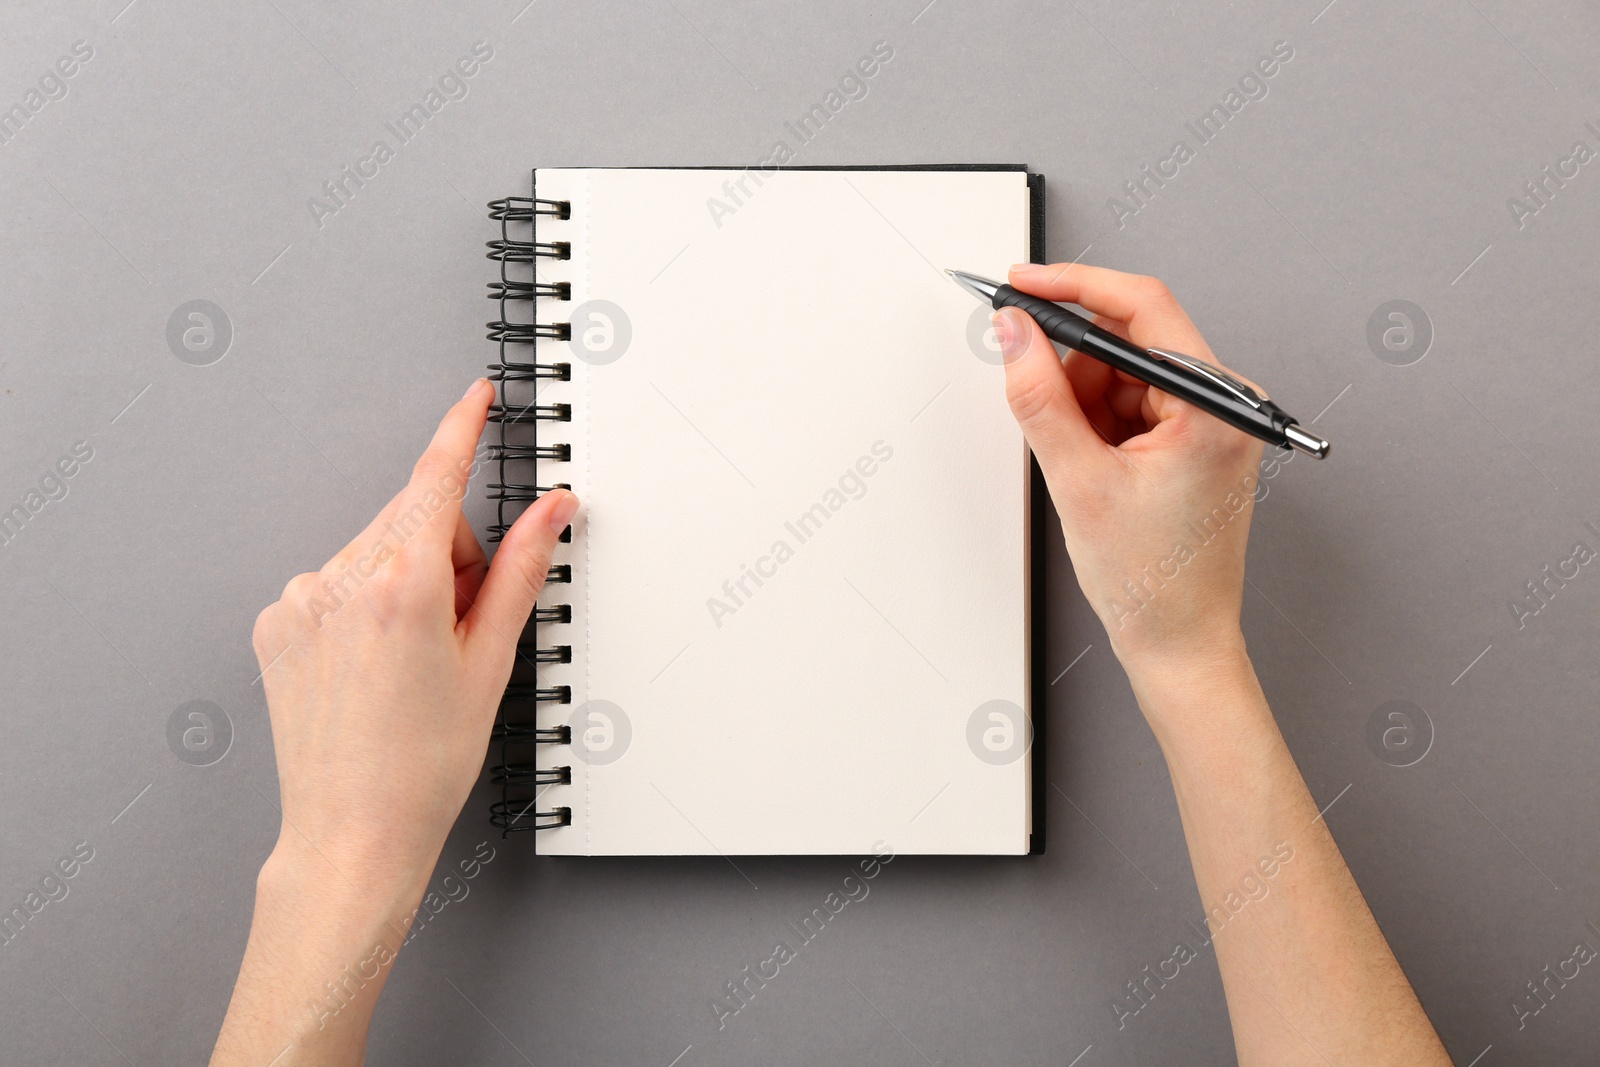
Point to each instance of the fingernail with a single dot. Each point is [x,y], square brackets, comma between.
[474,387]
[1025,268]
[561,514]
[1007,333]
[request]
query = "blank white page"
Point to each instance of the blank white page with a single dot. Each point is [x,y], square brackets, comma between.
[801,564]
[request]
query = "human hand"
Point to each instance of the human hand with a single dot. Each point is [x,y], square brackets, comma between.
[1155,496]
[1155,500]
[384,670]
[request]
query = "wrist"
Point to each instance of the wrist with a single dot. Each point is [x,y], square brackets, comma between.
[354,854]
[1203,704]
[343,923]
[322,944]
[1205,637]
[341,883]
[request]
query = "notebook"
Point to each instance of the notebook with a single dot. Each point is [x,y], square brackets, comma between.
[792,616]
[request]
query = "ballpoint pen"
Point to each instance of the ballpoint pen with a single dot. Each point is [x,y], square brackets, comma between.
[1207,387]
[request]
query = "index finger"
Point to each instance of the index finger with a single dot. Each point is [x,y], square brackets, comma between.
[439,479]
[1152,314]
[1135,307]
[431,500]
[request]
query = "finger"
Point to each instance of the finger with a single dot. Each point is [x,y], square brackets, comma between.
[1143,416]
[439,480]
[1104,421]
[1150,313]
[1041,396]
[1110,325]
[379,530]
[1156,405]
[1091,382]
[470,564]
[515,578]
[1127,399]
[1147,408]
[1089,377]
[1112,293]
[392,528]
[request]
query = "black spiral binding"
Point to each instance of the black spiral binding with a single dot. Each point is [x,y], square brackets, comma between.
[517,452]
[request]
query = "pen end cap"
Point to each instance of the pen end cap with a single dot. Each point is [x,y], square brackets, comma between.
[1310,444]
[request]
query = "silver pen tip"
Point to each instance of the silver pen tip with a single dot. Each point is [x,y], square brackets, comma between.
[981,288]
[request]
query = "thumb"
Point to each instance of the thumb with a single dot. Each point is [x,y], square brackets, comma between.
[517,575]
[1041,396]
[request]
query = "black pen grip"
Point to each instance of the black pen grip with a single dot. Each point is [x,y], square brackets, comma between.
[1060,325]
[1073,330]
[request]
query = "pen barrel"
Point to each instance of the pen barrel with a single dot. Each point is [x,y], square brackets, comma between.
[1068,328]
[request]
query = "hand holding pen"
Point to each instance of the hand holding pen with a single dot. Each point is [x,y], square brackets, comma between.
[1154,494]
[1202,383]
[1155,498]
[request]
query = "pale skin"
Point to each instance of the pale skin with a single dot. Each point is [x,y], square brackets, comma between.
[1308,975]
[382,692]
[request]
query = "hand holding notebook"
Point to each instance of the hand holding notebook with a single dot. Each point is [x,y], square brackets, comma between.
[382,673]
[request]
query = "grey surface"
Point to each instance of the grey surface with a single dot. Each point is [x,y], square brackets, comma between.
[1378,168]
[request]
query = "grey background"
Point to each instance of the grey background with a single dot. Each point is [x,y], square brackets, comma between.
[1379,166]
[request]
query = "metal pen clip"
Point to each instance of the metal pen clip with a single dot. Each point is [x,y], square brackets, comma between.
[1241,389]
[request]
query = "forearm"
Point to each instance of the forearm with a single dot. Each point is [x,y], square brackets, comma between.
[320,951]
[1308,975]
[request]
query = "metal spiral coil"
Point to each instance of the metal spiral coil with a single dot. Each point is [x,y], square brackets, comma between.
[524,692]
[524,332]
[561,453]
[553,654]
[524,208]
[539,735]
[511,290]
[526,492]
[528,774]
[517,451]
[507,818]
[507,251]
[530,413]
[529,372]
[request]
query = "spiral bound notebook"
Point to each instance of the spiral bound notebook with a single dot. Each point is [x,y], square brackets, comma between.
[793,614]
